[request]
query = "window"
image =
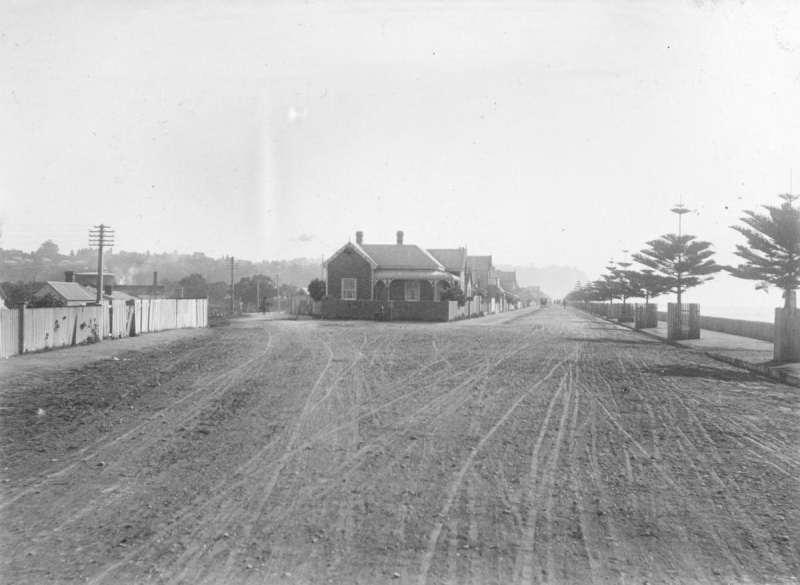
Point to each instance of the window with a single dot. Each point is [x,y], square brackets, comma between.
[412,290]
[349,289]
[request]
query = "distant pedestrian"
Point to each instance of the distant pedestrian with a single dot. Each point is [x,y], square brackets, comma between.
[563,304]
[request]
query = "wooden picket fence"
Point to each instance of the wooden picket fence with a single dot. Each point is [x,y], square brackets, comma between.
[683,321]
[645,316]
[25,330]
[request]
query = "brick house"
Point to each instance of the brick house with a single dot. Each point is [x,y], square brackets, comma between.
[391,272]
[454,261]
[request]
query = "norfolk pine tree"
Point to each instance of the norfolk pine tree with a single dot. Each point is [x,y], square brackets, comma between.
[649,284]
[684,261]
[772,254]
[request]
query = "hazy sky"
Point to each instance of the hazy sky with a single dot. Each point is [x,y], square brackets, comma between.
[543,132]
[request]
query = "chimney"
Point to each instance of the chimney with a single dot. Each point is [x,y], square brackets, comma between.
[109,289]
[69,276]
[399,238]
[359,238]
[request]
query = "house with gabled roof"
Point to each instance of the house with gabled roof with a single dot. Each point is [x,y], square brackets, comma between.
[507,280]
[481,268]
[71,293]
[390,272]
[454,261]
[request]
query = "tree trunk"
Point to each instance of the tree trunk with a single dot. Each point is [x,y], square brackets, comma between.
[790,301]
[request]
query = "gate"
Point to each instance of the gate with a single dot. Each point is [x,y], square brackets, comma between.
[645,316]
[683,321]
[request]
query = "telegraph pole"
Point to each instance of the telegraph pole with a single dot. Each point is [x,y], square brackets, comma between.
[679,209]
[101,236]
[234,266]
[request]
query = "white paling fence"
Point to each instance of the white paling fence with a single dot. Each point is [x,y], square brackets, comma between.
[24,330]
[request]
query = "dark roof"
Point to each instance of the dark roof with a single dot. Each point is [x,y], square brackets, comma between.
[400,256]
[116,295]
[450,258]
[507,277]
[72,291]
[479,262]
[136,290]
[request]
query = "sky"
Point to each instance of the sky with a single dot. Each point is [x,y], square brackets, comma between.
[541,132]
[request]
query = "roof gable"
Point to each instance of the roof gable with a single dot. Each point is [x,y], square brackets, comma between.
[354,247]
[450,258]
[508,278]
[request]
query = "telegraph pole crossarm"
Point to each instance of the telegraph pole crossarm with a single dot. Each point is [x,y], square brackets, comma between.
[100,236]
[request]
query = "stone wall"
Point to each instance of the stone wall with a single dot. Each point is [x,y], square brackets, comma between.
[751,329]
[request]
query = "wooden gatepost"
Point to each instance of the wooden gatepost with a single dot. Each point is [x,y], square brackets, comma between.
[683,321]
[787,335]
[645,316]
[626,313]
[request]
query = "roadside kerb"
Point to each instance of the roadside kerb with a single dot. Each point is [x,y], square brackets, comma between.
[779,373]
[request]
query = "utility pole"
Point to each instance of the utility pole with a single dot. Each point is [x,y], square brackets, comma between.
[234,266]
[279,291]
[100,236]
[679,209]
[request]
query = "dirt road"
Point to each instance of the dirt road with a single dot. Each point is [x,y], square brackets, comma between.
[540,447]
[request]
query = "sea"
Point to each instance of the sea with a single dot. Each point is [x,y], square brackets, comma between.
[766,314]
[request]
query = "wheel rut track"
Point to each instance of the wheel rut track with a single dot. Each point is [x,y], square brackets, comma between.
[455,486]
[414,430]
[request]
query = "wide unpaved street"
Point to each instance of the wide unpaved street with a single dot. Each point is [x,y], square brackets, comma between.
[540,447]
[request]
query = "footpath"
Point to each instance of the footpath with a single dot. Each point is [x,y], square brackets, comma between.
[753,355]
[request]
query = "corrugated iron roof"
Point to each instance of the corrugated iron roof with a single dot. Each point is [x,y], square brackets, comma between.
[72,291]
[401,256]
[450,258]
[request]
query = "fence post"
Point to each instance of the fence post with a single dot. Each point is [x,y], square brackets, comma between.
[21,330]
[787,335]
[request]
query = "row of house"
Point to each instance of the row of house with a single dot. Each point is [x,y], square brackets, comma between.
[407,272]
[79,289]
